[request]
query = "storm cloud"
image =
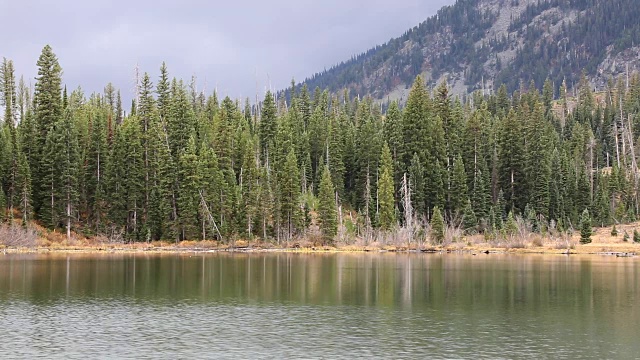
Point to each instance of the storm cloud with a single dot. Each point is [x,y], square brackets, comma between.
[239,47]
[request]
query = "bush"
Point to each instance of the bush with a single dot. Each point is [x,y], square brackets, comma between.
[614,231]
[18,236]
[625,238]
[636,236]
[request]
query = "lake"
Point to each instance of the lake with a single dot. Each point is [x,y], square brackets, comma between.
[286,305]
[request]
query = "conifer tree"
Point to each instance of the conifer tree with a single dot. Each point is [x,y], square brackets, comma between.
[268,125]
[327,206]
[68,166]
[511,226]
[190,185]
[47,103]
[163,91]
[386,190]
[585,228]
[23,186]
[415,122]
[289,186]
[393,133]
[416,179]
[437,226]
[97,155]
[459,193]
[9,97]
[469,219]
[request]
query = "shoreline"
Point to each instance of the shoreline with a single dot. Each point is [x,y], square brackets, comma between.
[618,250]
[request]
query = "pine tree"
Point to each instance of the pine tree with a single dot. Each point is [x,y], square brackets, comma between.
[289,186]
[97,155]
[327,206]
[614,231]
[23,187]
[469,219]
[416,179]
[459,193]
[163,91]
[393,133]
[68,166]
[190,185]
[585,228]
[386,190]
[47,103]
[181,121]
[437,226]
[414,122]
[8,90]
[511,226]
[268,125]
[636,236]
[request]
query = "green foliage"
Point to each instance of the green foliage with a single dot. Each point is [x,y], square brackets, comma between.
[182,166]
[437,226]
[327,206]
[511,227]
[585,228]
[469,219]
[385,191]
[636,236]
[614,231]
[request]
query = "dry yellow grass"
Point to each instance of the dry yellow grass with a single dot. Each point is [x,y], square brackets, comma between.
[603,242]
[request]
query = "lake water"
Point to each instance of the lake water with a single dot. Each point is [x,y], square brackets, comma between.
[284,305]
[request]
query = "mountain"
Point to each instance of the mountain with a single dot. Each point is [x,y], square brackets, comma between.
[481,44]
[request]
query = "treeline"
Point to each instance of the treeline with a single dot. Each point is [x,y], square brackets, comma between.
[185,165]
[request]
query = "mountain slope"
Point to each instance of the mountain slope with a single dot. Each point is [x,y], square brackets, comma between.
[480,44]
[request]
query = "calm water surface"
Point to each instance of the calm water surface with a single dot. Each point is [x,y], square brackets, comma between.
[319,306]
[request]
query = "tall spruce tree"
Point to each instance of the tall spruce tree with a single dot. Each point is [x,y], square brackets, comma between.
[327,206]
[47,103]
[387,215]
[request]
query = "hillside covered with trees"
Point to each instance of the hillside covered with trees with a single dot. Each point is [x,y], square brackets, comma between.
[186,165]
[482,44]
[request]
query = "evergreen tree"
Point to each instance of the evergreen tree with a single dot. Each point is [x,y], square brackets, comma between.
[268,125]
[414,122]
[190,185]
[416,179]
[459,193]
[511,226]
[469,219]
[47,103]
[327,207]
[289,186]
[585,228]
[386,190]
[437,226]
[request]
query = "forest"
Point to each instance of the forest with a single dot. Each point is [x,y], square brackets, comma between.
[179,164]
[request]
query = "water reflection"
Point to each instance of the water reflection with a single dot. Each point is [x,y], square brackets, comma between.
[349,279]
[319,306]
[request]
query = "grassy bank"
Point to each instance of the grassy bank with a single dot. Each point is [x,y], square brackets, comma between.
[39,240]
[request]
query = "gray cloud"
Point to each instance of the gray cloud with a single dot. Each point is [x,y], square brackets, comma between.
[229,45]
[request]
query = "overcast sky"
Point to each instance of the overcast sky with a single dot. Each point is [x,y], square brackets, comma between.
[231,45]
